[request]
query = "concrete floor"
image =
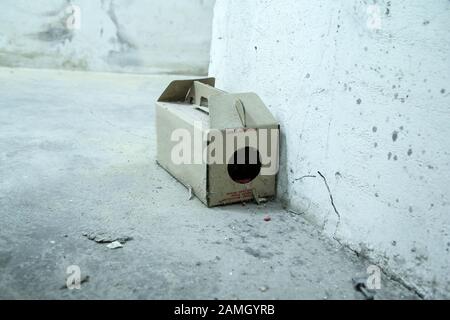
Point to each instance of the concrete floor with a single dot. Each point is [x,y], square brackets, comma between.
[77,155]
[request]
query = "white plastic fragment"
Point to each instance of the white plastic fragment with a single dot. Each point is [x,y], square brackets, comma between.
[191,193]
[114,245]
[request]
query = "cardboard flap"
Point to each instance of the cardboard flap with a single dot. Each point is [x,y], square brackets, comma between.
[200,93]
[243,110]
[226,111]
[178,90]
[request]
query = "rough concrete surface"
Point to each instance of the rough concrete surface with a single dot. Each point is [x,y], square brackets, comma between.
[157,36]
[77,168]
[361,89]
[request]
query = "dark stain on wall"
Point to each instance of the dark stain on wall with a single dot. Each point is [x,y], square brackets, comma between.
[394,136]
[58,33]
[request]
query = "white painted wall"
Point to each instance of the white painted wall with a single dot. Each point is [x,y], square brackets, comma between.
[365,101]
[142,36]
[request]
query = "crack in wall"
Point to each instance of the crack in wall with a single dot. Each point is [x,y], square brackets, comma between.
[392,276]
[303,177]
[334,206]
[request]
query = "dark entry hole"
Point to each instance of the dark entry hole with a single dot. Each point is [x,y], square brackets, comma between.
[245,165]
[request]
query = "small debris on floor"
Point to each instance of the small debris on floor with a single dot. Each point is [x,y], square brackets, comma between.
[104,237]
[263,200]
[191,193]
[114,245]
[263,288]
[267,218]
[257,253]
[360,285]
[256,197]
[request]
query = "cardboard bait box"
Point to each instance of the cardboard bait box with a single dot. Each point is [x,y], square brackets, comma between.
[222,146]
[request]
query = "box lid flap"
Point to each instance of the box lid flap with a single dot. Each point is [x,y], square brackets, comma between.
[226,110]
[178,90]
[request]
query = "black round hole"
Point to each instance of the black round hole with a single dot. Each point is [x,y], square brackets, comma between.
[246,165]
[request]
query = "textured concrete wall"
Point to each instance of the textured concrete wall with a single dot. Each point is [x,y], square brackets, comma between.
[114,35]
[361,89]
